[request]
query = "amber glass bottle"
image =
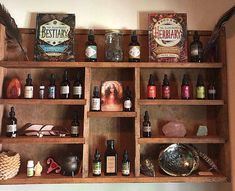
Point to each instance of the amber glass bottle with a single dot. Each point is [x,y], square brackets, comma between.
[147,131]
[111,159]
[11,130]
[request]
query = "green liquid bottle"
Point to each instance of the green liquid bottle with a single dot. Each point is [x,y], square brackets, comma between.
[96,166]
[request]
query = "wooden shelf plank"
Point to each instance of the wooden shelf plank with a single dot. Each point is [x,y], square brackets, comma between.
[35,64]
[111,114]
[195,140]
[179,102]
[59,179]
[42,140]
[43,101]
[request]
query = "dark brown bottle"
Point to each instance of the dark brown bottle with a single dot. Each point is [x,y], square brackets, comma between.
[11,130]
[212,90]
[127,103]
[134,48]
[111,159]
[52,88]
[91,48]
[147,130]
[75,126]
[166,92]
[64,86]
[95,100]
[96,166]
[126,165]
[196,49]
[77,87]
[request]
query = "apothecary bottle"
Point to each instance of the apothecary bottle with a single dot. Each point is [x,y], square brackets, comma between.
[151,88]
[52,87]
[126,165]
[11,130]
[134,48]
[64,87]
[96,165]
[166,91]
[196,49]
[77,87]
[127,103]
[91,48]
[95,100]
[200,89]
[185,88]
[111,159]
[113,46]
[75,126]
[212,90]
[147,129]
[28,88]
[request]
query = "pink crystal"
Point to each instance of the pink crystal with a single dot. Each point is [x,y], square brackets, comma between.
[174,129]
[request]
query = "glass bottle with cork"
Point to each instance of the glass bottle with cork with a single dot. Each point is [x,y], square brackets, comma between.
[134,48]
[11,130]
[111,159]
[151,88]
[64,86]
[95,101]
[147,130]
[28,89]
[96,165]
[91,48]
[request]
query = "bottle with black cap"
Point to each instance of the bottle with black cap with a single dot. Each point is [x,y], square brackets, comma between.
[111,159]
[11,130]
[64,87]
[151,88]
[28,89]
[77,87]
[52,87]
[75,126]
[127,104]
[91,48]
[166,92]
[95,101]
[96,166]
[125,164]
[134,48]
[147,130]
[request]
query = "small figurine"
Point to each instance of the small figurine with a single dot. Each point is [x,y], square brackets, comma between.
[53,166]
[38,169]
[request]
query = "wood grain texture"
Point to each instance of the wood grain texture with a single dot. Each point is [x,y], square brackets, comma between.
[111,114]
[2,42]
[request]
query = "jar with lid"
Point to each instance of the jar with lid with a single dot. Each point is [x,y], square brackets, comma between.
[113,46]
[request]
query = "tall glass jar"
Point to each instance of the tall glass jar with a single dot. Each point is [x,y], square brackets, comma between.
[113,46]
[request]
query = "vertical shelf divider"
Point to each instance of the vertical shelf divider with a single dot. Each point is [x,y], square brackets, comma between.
[137,122]
[87,85]
[2,42]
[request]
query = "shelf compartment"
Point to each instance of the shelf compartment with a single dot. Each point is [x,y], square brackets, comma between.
[43,101]
[42,140]
[35,64]
[192,139]
[59,179]
[111,114]
[179,102]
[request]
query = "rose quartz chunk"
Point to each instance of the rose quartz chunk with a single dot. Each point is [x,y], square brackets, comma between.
[174,129]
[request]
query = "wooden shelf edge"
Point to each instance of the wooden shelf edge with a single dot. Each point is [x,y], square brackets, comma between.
[111,114]
[195,140]
[179,102]
[36,64]
[42,140]
[43,101]
[58,179]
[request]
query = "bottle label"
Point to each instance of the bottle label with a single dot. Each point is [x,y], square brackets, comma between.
[194,50]
[30,171]
[185,92]
[134,52]
[201,92]
[212,91]
[110,164]
[96,168]
[127,104]
[28,92]
[91,51]
[166,93]
[64,90]
[51,92]
[147,129]
[77,90]
[152,91]
[75,130]
[11,128]
[95,104]
[126,168]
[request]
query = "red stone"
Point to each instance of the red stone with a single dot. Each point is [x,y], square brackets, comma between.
[14,88]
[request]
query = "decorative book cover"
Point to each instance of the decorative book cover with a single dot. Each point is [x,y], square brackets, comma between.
[111,96]
[168,37]
[54,37]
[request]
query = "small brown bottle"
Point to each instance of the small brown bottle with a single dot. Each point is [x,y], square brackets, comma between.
[166,92]
[11,130]
[147,130]
[75,126]
[134,48]
[111,159]
[152,88]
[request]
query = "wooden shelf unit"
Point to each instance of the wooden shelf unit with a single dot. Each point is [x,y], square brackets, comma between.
[124,127]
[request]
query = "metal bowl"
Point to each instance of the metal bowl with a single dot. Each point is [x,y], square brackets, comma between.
[178,160]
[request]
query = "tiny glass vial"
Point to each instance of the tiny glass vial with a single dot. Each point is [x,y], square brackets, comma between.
[30,168]
[42,91]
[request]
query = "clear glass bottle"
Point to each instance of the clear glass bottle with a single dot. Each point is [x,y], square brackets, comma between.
[113,46]
[196,49]
[111,159]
